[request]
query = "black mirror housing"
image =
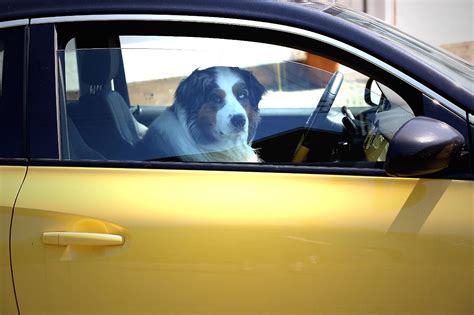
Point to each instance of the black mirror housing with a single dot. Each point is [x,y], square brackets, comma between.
[422,146]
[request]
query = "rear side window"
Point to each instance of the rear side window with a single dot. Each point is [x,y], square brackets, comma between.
[11,92]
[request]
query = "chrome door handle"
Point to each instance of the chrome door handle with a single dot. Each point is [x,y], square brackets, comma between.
[82,238]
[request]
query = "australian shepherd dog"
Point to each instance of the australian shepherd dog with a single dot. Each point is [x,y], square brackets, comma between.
[213,119]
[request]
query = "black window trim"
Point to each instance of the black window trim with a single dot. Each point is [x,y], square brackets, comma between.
[16,40]
[224,167]
[234,167]
[42,93]
[13,161]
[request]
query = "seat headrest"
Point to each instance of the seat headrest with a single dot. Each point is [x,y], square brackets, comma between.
[98,66]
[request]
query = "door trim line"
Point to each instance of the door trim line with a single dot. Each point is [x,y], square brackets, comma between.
[14,23]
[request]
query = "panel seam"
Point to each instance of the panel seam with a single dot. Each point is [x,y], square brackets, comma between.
[10,240]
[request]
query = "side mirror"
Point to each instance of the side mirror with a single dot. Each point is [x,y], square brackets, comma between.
[372,93]
[422,146]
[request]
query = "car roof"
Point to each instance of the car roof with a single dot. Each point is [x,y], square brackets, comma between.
[305,16]
[19,9]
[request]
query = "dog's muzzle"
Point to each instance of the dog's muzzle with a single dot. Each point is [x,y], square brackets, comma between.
[238,121]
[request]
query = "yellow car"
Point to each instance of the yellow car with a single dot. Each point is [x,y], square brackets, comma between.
[237,157]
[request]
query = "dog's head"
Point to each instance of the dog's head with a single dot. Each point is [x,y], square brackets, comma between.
[220,105]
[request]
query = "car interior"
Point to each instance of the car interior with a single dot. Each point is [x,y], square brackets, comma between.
[101,123]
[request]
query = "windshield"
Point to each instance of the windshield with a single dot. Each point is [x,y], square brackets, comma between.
[449,65]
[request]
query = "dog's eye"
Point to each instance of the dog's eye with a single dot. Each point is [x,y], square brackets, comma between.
[215,98]
[242,94]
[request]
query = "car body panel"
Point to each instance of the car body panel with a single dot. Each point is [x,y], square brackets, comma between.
[243,242]
[11,178]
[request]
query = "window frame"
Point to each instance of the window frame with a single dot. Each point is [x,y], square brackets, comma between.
[42,96]
[2,53]
[13,34]
[67,29]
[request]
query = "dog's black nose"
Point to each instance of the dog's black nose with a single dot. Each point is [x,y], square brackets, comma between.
[238,120]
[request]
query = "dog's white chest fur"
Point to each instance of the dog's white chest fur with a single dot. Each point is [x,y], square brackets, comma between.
[171,137]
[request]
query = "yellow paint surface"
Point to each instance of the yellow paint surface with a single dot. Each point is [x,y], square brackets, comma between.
[209,242]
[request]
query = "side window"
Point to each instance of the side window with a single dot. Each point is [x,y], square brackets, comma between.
[11,92]
[165,98]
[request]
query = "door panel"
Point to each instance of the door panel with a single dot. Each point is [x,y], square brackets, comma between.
[242,242]
[11,178]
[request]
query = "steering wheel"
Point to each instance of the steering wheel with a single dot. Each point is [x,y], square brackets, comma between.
[323,107]
[330,93]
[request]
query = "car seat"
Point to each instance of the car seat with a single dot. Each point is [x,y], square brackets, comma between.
[101,115]
[76,148]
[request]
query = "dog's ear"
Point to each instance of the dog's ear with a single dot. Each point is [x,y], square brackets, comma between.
[256,89]
[193,87]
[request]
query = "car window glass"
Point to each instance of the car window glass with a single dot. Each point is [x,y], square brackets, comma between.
[164,98]
[11,92]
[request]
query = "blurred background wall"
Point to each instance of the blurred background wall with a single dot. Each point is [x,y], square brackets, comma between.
[448,24]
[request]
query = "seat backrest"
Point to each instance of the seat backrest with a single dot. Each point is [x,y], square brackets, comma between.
[77,148]
[102,116]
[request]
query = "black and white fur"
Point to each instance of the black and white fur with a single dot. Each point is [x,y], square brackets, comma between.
[213,119]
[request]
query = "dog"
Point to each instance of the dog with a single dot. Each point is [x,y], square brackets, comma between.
[214,118]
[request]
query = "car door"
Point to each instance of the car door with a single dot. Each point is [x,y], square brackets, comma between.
[95,232]
[12,161]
